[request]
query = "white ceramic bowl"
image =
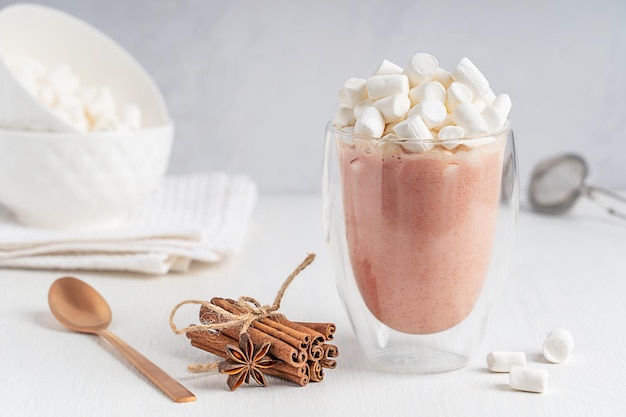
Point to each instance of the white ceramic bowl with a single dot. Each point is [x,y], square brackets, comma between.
[51,36]
[80,180]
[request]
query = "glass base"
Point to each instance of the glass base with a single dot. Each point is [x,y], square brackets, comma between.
[423,361]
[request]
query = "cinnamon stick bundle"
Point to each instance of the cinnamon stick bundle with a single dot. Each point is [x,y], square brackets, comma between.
[301,352]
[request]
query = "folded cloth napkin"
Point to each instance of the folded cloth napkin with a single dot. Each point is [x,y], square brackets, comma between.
[199,217]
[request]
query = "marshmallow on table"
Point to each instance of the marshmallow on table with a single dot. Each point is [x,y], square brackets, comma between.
[354,90]
[467,73]
[468,117]
[429,90]
[558,345]
[503,360]
[528,379]
[385,85]
[370,124]
[388,67]
[421,68]
[393,108]
[433,112]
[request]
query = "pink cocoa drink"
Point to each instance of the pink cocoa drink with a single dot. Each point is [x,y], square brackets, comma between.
[420,229]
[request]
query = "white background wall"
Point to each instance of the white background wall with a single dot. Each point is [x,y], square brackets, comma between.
[250,84]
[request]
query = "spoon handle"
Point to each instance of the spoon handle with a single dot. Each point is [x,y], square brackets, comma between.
[159,377]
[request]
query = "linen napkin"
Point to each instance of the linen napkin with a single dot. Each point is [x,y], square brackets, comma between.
[199,217]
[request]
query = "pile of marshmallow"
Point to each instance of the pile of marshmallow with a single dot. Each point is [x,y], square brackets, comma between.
[422,101]
[87,108]
[556,349]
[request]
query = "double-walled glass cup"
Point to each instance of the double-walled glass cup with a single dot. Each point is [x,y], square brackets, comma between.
[421,232]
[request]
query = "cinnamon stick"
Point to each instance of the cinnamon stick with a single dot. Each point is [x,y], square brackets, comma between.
[317,337]
[304,338]
[328,363]
[330,351]
[218,341]
[327,329]
[317,372]
[208,348]
[301,380]
[315,352]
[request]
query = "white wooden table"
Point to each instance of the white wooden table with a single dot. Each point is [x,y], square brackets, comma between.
[567,271]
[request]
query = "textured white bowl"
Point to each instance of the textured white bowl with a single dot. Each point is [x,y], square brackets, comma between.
[80,180]
[51,36]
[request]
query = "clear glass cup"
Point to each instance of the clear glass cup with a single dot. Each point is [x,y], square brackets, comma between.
[421,236]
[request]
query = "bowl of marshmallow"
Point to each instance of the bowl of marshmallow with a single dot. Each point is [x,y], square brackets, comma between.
[85,134]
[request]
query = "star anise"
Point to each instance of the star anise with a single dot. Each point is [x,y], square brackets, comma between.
[244,361]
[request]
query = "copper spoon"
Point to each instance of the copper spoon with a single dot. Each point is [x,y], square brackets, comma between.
[81,308]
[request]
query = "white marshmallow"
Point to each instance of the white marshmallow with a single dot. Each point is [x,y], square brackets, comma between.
[450,136]
[502,361]
[362,105]
[492,118]
[393,108]
[468,117]
[429,90]
[467,73]
[487,97]
[558,345]
[497,113]
[528,379]
[344,117]
[421,68]
[370,124]
[433,112]
[61,79]
[443,76]
[354,90]
[385,85]
[102,104]
[457,93]
[502,104]
[446,122]
[86,94]
[388,67]
[413,128]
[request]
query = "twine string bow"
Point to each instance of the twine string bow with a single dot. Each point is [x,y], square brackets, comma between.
[253,310]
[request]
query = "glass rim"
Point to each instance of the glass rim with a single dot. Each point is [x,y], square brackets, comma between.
[434,141]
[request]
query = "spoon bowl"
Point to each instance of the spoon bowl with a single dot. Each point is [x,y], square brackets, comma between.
[78,306]
[81,308]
